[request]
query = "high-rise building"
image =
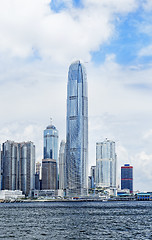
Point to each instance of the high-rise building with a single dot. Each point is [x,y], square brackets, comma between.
[106,164]
[51,157]
[62,166]
[127,177]
[49,174]
[10,165]
[18,165]
[51,143]
[38,168]
[26,167]
[93,174]
[77,131]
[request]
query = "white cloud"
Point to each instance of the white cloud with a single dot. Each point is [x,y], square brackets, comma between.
[146,51]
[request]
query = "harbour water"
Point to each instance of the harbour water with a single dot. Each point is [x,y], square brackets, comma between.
[76,220]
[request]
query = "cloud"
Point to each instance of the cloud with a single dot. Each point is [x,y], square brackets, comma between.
[70,33]
[146,51]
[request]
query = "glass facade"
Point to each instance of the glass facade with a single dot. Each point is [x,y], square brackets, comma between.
[51,143]
[50,152]
[62,166]
[127,177]
[18,164]
[106,164]
[77,130]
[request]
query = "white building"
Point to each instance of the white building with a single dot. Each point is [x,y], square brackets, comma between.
[11,195]
[62,166]
[106,164]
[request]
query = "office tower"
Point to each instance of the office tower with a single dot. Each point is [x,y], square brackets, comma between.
[93,174]
[37,175]
[18,165]
[38,168]
[10,166]
[62,166]
[90,182]
[77,131]
[127,177]
[51,157]
[49,174]
[51,143]
[26,167]
[105,164]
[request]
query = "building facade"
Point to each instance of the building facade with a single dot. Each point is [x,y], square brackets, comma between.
[62,166]
[106,164]
[127,177]
[49,174]
[18,166]
[51,143]
[93,174]
[77,131]
[51,157]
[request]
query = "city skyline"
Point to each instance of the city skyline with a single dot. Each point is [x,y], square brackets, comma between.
[113,39]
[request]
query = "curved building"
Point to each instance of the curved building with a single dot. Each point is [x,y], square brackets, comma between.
[50,163]
[77,130]
[51,143]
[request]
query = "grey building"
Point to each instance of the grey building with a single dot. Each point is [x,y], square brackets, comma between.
[62,166]
[77,131]
[93,174]
[106,164]
[49,174]
[18,166]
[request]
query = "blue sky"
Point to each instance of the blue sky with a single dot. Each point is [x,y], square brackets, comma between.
[113,38]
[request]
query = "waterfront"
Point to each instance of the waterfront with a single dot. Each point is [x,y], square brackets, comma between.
[76,220]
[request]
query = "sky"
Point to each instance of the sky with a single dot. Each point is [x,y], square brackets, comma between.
[39,39]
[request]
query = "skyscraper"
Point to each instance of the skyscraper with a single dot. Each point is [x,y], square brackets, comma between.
[50,163]
[77,130]
[62,166]
[51,143]
[49,174]
[18,164]
[127,177]
[106,164]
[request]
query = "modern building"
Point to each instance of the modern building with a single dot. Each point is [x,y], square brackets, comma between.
[11,195]
[93,174]
[51,157]
[77,131]
[62,166]
[90,182]
[51,143]
[18,165]
[49,174]
[127,177]
[38,168]
[106,164]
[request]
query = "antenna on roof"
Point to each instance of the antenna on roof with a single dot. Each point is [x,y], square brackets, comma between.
[51,120]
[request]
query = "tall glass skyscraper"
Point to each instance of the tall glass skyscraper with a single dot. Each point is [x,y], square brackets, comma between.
[77,130]
[51,143]
[106,164]
[50,163]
